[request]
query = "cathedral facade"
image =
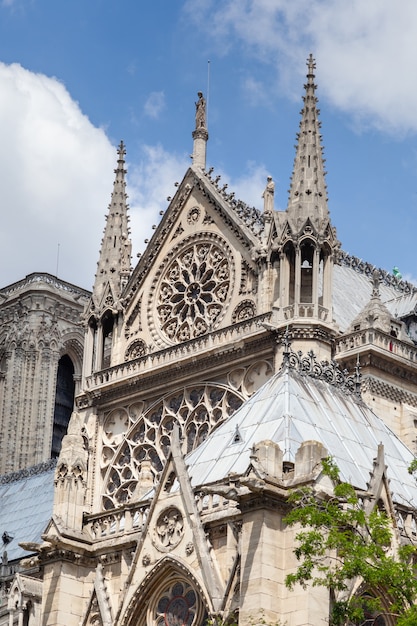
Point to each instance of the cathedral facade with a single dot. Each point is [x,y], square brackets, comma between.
[214,380]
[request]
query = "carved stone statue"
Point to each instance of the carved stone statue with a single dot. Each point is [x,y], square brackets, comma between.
[200,111]
[268,195]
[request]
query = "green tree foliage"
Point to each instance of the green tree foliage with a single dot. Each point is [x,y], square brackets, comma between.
[339,542]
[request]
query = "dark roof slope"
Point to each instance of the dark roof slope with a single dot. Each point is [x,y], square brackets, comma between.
[26,500]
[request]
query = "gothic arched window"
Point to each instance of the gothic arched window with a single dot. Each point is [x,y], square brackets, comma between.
[64,402]
[307,268]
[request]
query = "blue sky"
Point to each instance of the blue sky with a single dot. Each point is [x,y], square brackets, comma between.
[77,77]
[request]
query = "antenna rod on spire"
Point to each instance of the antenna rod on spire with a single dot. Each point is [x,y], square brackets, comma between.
[57,261]
[208,92]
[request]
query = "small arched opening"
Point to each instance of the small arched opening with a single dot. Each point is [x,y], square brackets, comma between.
[107,323]
[289,252]
[64,402]
[307,267]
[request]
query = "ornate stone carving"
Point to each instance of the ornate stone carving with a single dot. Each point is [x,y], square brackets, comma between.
[196,409]
[193,215]
[244,311]
[323,370]
[248,280]
[193,291]
[135,350]
[168,530]
[250,216]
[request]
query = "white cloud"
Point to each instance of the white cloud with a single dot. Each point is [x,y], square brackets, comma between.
[365,50]
[57,172]
[154,104]
[250,185]
[150,182]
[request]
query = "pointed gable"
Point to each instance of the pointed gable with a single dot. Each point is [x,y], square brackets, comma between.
[199,270]
[173,536]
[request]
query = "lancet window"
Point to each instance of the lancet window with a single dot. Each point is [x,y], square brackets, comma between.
[64,401]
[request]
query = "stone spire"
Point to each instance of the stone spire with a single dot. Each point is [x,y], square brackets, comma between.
[308,194]
[200,134]
[113,268]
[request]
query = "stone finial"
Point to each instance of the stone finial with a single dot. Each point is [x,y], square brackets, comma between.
[308,192]
[145,480]
[376,279]
[311,64]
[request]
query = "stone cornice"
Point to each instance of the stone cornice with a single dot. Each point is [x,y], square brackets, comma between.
[263,501]
[200,354]
[52,281]
[160,378]
[304,331]
[382,389]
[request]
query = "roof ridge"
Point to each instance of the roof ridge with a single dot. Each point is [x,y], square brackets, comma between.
[363,267]
[34,470]
[252,217]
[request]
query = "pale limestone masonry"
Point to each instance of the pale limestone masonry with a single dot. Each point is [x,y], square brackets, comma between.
[201,405]
[40,323]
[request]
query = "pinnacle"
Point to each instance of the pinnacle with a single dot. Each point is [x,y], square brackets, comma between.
[308,197]
[113,268]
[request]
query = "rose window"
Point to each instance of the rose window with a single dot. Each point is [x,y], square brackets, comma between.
[193,291]
[178,605]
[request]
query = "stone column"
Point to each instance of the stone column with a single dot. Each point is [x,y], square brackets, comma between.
[315,285]
[297,286]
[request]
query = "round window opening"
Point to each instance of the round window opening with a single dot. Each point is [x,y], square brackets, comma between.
[178,605]
[193,292]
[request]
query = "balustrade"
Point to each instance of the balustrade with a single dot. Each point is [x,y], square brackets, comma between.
[379,339]
[174,354]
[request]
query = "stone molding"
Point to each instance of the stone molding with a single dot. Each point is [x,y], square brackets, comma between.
[390,392]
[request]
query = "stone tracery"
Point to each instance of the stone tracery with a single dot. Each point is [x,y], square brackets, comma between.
[177,606]
[197,410]
[194,290]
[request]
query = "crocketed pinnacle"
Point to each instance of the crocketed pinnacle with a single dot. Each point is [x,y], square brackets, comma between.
[114,264]
[308,194]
